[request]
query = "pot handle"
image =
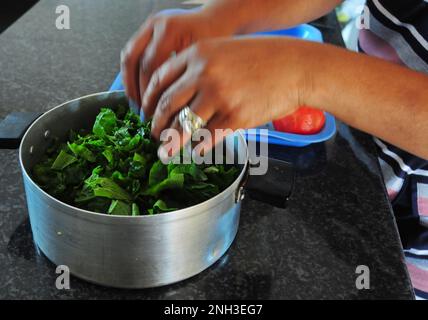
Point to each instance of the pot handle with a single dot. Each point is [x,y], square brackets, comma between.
[274,187]
[13,127]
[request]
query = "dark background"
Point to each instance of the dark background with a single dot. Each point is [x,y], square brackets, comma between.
[11,10]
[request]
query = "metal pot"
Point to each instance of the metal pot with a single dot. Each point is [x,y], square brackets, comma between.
[126,251]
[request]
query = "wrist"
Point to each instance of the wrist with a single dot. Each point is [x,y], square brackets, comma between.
[301,69]
[220,21]
[313,90]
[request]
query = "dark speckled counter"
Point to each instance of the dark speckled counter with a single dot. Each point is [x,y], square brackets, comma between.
[338,217]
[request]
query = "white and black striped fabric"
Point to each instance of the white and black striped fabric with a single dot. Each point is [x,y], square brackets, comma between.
[403,25]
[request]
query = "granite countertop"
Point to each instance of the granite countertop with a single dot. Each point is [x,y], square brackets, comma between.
[338,217]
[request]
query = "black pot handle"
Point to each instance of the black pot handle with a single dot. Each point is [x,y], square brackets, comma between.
[13,127]
[274,187]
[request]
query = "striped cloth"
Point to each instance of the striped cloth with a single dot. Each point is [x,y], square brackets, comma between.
[398,32]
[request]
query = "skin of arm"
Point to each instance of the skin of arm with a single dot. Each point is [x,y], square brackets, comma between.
[384,99]
[246,16]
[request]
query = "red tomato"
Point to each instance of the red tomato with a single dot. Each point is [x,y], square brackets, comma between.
[305,120]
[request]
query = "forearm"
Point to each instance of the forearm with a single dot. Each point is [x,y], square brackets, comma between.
[246,16]
[378,97]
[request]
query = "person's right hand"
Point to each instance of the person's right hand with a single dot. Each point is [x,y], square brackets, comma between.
[158,38]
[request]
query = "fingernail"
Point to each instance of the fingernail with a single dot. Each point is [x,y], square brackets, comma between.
[163,155]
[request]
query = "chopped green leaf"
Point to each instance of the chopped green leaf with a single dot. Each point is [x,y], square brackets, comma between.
[119,208]
[63,160]
[104,123]
[158,172]
[135,210]
[160,206]
[82,151]
[113,168]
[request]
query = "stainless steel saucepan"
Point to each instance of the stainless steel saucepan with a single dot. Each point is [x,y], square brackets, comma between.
[127,251]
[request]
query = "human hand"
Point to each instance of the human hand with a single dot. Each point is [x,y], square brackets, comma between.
[161,36]
[229,83]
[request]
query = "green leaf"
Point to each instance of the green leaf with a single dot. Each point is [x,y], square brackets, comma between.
[211,170]
[100,205]
[82,151]
[63,160]
[138,166]
[109,155]
[223,177]
[84,195]
[204,190]
[117,176]
[132,117]
[133,143]
[139,158]
[119,208]
[192,170]
[160,206]
[175,181]
[135,210]
[107,188]
[75,173]
[229,176]
[43,173]
[158,172]
[95,143]
[104,123]
[114,168]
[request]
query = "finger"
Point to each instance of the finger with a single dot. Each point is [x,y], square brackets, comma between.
[172,100]
[199,106]
[130,59]
[156,53]
[160,80]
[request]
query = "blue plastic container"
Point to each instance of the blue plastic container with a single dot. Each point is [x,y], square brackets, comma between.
[305,32]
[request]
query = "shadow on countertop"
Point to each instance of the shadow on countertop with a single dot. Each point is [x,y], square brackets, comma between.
[12,10]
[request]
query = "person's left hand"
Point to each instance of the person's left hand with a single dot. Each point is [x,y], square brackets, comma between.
[229,83]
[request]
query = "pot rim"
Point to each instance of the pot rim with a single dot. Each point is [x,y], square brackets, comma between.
[181,213]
